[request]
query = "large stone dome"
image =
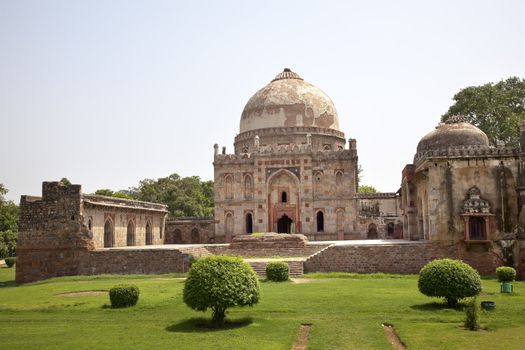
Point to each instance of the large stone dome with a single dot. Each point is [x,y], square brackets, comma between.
[289,101]
[455,132]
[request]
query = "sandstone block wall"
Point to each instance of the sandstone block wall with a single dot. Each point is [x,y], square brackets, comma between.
[398,258]
[191,231]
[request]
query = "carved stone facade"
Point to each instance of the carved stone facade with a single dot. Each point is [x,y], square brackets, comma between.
[460,189]
[291,170]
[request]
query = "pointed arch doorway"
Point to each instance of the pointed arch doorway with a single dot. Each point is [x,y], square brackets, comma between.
[284,224]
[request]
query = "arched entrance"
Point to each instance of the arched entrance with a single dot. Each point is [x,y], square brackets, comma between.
[130,234]
[284,202]
[284,224]
[149,234]
[372,231]
[249,223]
[108,234]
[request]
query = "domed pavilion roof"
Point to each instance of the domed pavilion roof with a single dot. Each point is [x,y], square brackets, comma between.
[289,101]
[455,132]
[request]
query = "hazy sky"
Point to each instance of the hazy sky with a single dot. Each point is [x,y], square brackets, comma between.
[107,93]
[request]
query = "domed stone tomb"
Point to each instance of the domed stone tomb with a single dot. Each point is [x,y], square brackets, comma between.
[455,132]
[289,101]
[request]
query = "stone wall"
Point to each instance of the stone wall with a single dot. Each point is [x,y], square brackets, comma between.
[396,258]
[191,231]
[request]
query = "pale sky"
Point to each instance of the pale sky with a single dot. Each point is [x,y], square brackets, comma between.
[107,93]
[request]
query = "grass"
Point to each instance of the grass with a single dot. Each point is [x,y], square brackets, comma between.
[346,311]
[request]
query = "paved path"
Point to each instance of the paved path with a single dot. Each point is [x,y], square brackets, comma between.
[347,242]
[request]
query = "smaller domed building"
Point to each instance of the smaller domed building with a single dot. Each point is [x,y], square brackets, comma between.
[460,188]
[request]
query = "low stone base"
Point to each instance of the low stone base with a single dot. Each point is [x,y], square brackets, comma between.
[269,241]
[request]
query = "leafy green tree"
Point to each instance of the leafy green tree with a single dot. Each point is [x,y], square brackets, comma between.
[65,181]
[366,189]
[497,109]
[109,193]
[184,196]
[218,283]
[9,215]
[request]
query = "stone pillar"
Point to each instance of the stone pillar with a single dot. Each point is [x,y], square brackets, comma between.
[215,150]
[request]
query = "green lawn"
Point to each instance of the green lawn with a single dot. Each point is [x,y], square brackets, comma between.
[346,312]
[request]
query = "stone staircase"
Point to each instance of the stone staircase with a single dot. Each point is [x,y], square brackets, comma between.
[295,266]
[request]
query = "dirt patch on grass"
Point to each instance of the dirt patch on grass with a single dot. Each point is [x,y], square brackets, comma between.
[86,293]
[301,340]
[301,280]
[392,337]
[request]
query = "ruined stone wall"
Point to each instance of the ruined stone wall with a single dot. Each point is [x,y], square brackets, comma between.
[191,231]
[55,239]
[379,216]
[52,238]
[399,258]
[124,218]
[137,261]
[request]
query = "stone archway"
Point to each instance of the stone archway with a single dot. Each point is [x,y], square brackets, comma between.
[283,200]
[109,239]
[372,231]
[284,224]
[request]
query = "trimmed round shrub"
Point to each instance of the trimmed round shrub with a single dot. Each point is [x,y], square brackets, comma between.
[449,279]
[220,282]
[10,262]
[124,295]
[277,271]
[506,274]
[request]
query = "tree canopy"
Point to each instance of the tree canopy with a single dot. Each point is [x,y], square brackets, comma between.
[184,196]
[366,189]
[497,109]
[110,193]
[9,214]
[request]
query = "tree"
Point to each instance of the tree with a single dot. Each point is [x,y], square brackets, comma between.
[449,279]
[9,216]
[366,189]
[497,109]
[218,283]
[65,181]
[109,193]
[184,196]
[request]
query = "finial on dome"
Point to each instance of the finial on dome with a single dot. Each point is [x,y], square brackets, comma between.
[456,119]
[287,74]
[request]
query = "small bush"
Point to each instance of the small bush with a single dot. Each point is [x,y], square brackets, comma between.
[450,279]
[506,274]
[277,271]
[220,282]
[10,262]
[472,314]
[124,295]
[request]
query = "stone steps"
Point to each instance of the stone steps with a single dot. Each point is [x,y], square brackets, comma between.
[295,266]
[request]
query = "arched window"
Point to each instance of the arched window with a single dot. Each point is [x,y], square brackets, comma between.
[477,228]
[108,233]
[228,222]
[372,231]
[149,233]
[130,234]
[320,221]
[248,187]
[177,236]
[90,224]
[339,178]
[284,196]
[249,223]
[195,237]
[390,229]
[228,187]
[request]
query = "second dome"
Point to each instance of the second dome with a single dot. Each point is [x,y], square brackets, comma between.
[289,101]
